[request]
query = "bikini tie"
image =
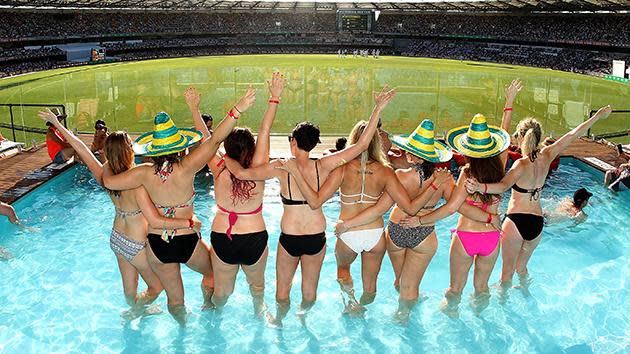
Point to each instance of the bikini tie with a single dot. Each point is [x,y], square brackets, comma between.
[233,217]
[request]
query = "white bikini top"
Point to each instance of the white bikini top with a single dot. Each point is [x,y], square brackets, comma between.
[363,197]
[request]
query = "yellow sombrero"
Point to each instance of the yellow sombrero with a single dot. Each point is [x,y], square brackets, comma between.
[165,138]
[479,139]
[422,143]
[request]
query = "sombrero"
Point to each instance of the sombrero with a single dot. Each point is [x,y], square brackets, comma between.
[479,139]
[421,143]
[165,138]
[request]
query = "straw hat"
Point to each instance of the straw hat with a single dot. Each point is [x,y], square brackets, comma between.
[422,144]
[478,140]
[165,138]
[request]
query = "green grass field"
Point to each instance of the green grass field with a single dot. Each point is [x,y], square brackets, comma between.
[325,89]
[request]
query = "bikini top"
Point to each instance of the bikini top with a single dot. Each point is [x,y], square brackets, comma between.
[363,197]
[290,200]
[169,212]
[125,214]
[484,206]
[233,217]
[535,192]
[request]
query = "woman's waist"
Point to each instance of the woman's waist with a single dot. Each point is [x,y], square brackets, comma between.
[244,223]
[518,204]
[136,232]
[465,224]
[295,223]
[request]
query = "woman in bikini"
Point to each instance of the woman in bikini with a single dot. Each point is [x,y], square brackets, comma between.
[169,182]
[474,241]
[361,182]
[134,214]
[410,246]
[239,235]
[303,236]
[524,222]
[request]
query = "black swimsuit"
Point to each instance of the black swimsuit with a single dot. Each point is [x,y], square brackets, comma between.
[241,249]
[530,226]
[178,250]
[300,245]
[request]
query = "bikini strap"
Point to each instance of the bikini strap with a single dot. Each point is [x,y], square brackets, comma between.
[289,185]
[364,157]
[317,172]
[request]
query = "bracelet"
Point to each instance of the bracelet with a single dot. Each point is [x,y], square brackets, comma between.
[485,188]
[507,109]
[231,114]
[191,224]
[239,112]
[274,101]
[434,186]
[489,220]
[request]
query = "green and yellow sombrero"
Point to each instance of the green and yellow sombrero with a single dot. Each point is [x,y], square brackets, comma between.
[165,138]
[478,140]
[421,143]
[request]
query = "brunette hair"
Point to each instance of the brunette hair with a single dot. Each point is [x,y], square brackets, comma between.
[170,159]
[119,154]
[240,145]
[486,170]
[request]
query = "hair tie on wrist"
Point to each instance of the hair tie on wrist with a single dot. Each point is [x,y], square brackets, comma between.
[434,186]
[507,109]
[274,101]
[231,114]
[239,112]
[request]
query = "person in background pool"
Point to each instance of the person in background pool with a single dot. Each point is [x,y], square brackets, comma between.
[58,148]
[396,159]
[134,210]
[303,230]
[524,220]
[571,208]
[340,144]
[615,177]
[239,235]
[100,135]
[8,211]
[169,182]
[409,245]
[361,183]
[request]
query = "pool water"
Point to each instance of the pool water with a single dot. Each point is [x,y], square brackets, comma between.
[62,290]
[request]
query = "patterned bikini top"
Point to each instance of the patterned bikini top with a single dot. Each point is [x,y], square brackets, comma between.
[169,212]
[125,214]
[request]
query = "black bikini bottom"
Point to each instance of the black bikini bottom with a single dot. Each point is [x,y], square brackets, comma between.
[178,250]
[300,245]
[241,249]
[529,225]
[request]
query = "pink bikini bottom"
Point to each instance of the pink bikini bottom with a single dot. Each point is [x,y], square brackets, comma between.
[479,243]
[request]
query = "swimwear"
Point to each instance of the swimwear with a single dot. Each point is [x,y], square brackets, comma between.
[125,246]
[125,214]
[362,195]
[408,237]
[300,245]
[478,243]
[290,200]
[535,192]
[54,148]
[362,240]
[59,158]
[530,226]
[244,249]
[233,217]
[169,212]
[178,249]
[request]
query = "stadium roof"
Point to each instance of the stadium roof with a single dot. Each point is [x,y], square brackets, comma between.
[385,6]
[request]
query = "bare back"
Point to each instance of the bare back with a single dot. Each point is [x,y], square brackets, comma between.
[533,177]
[129,220]
[410,179]
[360,189]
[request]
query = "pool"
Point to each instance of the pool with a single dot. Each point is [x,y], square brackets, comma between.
[63,293]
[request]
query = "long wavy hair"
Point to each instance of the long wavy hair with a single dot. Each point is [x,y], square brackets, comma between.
[119,154]
[486,170]
[240,145]
[374,150]
[529,131]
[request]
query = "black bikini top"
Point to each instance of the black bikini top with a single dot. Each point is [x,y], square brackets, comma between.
[290,200]
[535,192]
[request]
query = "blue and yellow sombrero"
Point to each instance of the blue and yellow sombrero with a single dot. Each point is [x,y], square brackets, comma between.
[478,140]
[165,138]
[421,143]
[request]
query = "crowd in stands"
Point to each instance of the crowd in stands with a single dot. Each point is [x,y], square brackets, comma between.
[521,39]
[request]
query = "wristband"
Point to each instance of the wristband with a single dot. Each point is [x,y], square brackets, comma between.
[191,224]
[434,186]
[231,114]
[489,220]
[507,109]
[274,101]
[239,112]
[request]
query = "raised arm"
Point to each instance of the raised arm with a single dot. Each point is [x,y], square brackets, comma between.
[193,99]
[332,161]
[553,150]
[79,146]
[276,86]
[130,179]
[510,95]
[510,179]
[258,173]
[6,209]
[206,151]
[458,196]
[157,221]
[315,198]
[366,216]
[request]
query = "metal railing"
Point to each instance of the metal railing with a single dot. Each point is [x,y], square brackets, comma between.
[609,135]
[15,127]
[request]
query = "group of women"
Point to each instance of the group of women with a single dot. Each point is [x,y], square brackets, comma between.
[155,229]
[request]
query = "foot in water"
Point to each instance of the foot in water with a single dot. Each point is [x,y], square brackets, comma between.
[367,298]
[282,308]
[503,288]
[524,281]
[450,304]
[479,301]
[404,310]
[179,313]
[351,305]
[141,311]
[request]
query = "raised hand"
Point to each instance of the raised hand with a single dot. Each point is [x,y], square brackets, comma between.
[48,116]
[511,91]
[382,99]
[340,228]
[192,97]
[441,175]
[276,84]
[604,112]
[288,165]
[247,100]
[473,186]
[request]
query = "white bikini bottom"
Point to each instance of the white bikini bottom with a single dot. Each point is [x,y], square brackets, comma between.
[362,240]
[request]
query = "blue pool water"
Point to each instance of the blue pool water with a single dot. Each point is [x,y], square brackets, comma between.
[62,292]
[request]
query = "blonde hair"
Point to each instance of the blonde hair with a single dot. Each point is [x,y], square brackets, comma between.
[374,150]
[530,132]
